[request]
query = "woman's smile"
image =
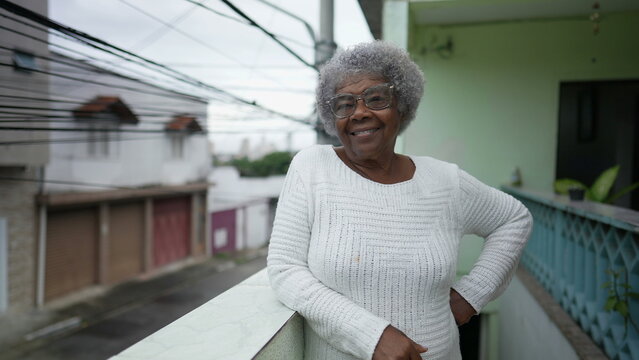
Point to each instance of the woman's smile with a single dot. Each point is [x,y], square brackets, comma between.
[365,132]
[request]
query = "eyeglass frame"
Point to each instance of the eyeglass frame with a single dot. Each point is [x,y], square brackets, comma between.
[360,97]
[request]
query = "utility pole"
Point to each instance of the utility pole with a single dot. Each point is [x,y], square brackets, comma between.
[325,45]
[324,49]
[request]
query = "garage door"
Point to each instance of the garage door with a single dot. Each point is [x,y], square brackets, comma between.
[126,241]
[71,251]
[171,229]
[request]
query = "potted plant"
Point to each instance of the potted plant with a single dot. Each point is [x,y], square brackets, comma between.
[598,192]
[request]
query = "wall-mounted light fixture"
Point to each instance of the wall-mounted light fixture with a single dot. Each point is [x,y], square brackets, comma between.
[443,49]
[595,18]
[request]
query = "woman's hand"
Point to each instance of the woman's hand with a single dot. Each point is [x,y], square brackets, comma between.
[461,309]
[395,345]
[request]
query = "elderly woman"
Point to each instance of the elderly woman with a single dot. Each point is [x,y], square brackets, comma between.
[365,240]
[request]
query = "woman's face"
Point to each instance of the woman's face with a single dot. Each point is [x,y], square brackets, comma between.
[367,134]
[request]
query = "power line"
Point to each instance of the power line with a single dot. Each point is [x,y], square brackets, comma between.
[73,140]
[117,51]
[193,38]
[80,102]
[102,71]
[163,115]
[95,69]
[154,36]
[66,120]
[201,4]
[268,33]
[97,130]
[80,183]
[46,93]
[209,65]
[123,87]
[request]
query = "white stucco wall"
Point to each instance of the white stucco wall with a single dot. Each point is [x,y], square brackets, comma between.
[257,226]
[140,158]
[26,85]
[525,330]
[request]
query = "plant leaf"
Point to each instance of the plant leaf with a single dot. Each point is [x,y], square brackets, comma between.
[622,308]
[633,295]
[601,187]
[622,192]
[561,186]
[610,304]
[606,285]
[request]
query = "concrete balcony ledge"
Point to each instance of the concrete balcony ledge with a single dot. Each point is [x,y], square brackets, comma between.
[245,322]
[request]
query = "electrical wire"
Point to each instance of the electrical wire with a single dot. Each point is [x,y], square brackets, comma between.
[163,115]
[101,71]
[122,87]
[103,45]
[268,33]
[80,64]
[193,38]
[73,140]
[156,35]
[283,37]
[96,130]
[113,64]
[98,185]
[209,65]
[79,102]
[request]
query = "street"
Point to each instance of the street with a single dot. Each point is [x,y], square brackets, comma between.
[109,337]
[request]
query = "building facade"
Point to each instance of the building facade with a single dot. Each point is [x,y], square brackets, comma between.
[103,174]
[21,78]
[525,85]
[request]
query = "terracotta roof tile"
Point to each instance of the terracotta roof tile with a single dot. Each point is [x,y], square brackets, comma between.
[183,122]
[103,105]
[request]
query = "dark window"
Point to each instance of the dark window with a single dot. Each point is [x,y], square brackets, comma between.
[24,61]
[599,128]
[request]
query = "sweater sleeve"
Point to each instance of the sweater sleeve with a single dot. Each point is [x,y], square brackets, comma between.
[341,322]
[505,223]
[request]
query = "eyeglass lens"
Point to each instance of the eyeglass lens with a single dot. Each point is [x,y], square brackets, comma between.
[375,98]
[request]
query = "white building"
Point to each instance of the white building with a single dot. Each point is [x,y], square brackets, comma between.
[125,188]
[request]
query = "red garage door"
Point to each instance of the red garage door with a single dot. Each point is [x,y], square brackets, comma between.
[223,231]
[171,229]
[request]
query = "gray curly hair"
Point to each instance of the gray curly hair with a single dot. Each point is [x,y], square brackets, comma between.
[377,59]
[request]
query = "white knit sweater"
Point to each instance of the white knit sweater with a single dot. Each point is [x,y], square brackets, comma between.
[353,256]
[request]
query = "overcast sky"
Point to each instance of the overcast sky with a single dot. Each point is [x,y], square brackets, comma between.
[220,51]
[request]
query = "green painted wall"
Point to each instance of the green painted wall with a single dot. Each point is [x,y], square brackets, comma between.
[493,104]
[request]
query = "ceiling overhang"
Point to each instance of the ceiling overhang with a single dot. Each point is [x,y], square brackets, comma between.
[446,12]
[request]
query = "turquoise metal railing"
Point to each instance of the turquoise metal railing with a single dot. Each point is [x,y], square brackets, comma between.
[572,247]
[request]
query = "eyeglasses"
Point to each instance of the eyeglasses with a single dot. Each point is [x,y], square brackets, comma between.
[376,97]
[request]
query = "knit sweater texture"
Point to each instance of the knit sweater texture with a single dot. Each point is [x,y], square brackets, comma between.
[352,255]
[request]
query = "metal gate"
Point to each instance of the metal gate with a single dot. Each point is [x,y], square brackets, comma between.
[223,225]
[171,229]
[126,241]
[71,251]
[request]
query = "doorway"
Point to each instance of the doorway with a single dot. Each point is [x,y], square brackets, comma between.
[599,128]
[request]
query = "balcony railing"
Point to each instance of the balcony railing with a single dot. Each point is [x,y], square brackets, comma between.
[245,322]
[574,248]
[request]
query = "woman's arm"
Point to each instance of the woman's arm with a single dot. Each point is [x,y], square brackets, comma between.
[505,224]
[344,324]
